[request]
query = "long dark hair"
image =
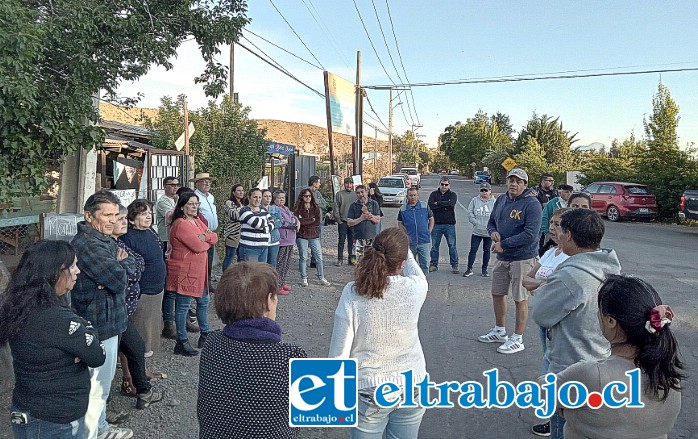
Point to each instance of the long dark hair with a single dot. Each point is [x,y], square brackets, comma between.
[630,300]
[379,261]
[376,190]
[179,208]
[233,198]
[33,284]
[299,201]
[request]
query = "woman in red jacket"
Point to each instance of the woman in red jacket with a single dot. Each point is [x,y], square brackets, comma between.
[187,268]
[308,213]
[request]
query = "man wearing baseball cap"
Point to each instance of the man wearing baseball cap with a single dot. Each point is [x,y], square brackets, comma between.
[514,227]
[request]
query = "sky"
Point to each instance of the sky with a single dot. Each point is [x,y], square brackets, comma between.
[453,40]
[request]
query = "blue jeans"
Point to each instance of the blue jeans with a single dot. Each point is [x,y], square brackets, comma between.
[475,241]
[182,304]
[420,253]
[398,423]
[315,247]
[557,426]
[449,231]
[40,429]
[543,345]
[168,305]
[313,259]
[272,255]
[249,253]
[230,253]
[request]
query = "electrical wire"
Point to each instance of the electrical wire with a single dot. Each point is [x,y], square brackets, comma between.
[281,48]
[331,38]
[374,112]
[397,46]
[527,78]
[296,33]
[371,41]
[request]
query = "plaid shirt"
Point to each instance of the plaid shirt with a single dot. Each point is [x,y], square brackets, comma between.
[99,292]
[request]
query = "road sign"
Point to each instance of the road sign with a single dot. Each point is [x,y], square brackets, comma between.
[509,164]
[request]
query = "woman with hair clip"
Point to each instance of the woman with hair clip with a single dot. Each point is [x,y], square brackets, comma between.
[388,292]
[52,347]
[636,323]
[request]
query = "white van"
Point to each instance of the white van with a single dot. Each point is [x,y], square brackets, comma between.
[413,175]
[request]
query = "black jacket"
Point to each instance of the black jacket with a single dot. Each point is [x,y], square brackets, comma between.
[444,206]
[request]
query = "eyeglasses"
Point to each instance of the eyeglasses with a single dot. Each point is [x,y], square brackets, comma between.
[550,180]
[445,184]
[193,204]
[174,184]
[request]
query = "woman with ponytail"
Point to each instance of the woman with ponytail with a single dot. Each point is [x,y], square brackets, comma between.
[376,323]
[638,326]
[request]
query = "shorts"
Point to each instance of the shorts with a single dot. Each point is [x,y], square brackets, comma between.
[510,274]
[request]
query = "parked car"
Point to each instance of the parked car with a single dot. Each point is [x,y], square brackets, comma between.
[404,177]
[394,189]
[482,177]
[413,174]
[688,209]
[454,172]
[618,200]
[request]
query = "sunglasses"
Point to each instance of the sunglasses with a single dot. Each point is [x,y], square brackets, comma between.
[307,196]
[484,190]
[445,184]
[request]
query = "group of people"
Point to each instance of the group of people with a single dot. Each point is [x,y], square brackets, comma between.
[596,324]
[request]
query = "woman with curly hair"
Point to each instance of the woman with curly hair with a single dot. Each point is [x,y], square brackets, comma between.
[51,346]
[308,213]
[388,292]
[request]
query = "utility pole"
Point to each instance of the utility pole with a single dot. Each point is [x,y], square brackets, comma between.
[232,72]
[359,118]
[390,133]
[414,143]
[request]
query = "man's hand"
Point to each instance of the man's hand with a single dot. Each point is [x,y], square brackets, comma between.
[496,237]
[497,247]
[121,254]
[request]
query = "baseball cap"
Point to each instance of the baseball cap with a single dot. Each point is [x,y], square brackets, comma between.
[348,180]
[518,173]
[485,186]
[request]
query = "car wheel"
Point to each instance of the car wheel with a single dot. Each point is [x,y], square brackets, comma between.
[613,214]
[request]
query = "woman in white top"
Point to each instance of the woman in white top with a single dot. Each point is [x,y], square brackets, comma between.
[553,257]
[376,323]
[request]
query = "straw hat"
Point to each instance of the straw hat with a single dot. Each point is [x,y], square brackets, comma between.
[203,176]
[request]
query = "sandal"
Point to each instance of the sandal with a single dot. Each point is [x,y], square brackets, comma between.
[127,388]
[155,376]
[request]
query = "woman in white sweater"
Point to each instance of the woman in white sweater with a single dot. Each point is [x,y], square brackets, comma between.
[376,323]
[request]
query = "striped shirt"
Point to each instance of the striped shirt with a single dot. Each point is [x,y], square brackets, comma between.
[256,227]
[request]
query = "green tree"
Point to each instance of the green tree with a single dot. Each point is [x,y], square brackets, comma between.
[549,134]
[407,148]
[57,55]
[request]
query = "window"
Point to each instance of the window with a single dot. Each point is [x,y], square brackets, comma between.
[391,182]
[592,188]
[607,189]
[637,190]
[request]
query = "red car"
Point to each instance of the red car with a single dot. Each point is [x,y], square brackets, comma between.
[617,200]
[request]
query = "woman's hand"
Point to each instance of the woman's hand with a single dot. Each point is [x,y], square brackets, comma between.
[201,236]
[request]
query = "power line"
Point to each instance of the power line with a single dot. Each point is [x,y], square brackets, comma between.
[322,27]
[397,46]
[279,66]
[374,112]
[282,70]
[526,78]
[279,47]
[296,33]
[371,41]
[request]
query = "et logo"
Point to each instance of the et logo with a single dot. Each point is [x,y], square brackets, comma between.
[322,392]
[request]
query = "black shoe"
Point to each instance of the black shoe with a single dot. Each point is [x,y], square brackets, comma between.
[313,265]
[352,260]
[468,273]
[541,429]
[339,263]
[192,327]
[145,399]
[169,331]
[202,339]
[183,347]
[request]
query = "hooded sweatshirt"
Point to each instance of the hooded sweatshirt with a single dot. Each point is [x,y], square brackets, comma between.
[567,305]
[518,222]
[479,212]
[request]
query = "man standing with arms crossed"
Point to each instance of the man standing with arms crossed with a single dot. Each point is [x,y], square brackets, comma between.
[342,202]
[203,181]
[164,204]
[514,227]
[442,203]
[417,220]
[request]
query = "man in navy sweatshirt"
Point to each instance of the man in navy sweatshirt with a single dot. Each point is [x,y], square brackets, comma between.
[514,227]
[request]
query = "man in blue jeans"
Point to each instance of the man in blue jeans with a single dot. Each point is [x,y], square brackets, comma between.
[442,203]
[417,220]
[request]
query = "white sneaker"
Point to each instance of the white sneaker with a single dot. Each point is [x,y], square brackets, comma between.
[304,282]
[116,433]
[511,346]
[493,337]
[324,282]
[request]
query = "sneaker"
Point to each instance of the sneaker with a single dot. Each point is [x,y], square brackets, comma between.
[148,354]
[433,268]
[493,337]
[283,292]
[145,399]
[304,282]
[352,260]
[511,347]
[339,263]
[468,273]
[116,433]
[116,416]
[541,429]
[454,269]
[485,274]
[324,282]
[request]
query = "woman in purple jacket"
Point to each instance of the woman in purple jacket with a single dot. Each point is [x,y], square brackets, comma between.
[288,230]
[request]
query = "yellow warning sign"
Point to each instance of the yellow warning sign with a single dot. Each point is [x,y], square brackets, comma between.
[509,164]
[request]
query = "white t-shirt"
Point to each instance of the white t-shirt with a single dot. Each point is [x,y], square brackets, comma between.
[549,262]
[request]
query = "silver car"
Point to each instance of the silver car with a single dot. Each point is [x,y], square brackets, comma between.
[394,190]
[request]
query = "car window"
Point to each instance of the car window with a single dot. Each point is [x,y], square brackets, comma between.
[638,190]
[409,171]
[607,189]
[391,182]
[592,188]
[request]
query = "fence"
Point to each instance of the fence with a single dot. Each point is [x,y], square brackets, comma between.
[16,234]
